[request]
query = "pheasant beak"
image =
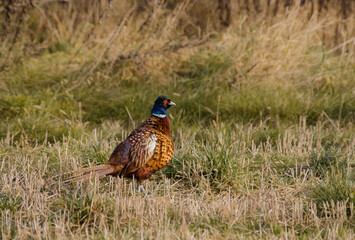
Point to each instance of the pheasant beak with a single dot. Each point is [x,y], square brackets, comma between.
[171,103]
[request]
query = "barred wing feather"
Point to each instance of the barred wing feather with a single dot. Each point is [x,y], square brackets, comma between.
[143,150]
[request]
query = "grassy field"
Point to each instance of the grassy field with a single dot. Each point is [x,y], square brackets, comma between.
[263,128]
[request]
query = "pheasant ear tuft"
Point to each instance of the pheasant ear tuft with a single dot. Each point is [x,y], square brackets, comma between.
[160,99]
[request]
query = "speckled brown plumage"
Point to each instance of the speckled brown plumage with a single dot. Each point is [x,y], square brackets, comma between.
[139,162]
[146,150]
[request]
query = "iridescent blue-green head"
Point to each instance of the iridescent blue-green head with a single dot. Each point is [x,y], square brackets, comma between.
[162,104]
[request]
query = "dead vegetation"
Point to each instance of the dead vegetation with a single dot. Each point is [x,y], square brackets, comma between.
[264,124]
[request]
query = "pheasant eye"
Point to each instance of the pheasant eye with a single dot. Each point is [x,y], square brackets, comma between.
[165,102]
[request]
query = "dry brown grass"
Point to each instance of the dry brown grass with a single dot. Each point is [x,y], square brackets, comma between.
[124,28]
[267,198]
[264,126]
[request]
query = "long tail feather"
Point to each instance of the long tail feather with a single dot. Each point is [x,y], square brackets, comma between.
[87,173]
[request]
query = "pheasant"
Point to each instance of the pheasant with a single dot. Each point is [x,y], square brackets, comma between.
[146,150]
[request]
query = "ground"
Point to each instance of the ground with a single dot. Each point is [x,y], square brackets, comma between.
[263,129]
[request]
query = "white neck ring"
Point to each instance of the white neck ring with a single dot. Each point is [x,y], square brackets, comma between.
[159,115]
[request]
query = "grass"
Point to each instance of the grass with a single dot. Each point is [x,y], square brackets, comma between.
[263,129]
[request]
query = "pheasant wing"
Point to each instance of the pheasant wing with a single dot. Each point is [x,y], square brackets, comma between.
[120,155]
[141,152]
[134,152]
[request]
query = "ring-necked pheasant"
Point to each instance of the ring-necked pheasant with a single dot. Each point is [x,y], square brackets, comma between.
[146,150]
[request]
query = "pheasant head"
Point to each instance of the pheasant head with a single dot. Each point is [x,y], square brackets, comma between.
[161,104]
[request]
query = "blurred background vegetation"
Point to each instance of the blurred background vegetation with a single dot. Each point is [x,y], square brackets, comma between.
[225,60]
[265,96]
